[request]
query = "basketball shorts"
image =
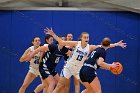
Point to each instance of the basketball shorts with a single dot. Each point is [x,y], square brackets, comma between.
[87,74]
[45,72]
[35,71]
[69,70]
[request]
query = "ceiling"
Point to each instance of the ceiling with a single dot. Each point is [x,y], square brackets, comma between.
[127,5]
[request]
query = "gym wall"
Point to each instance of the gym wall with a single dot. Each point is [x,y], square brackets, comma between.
[19,27]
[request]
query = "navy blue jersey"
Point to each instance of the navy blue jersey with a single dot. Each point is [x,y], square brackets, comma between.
[94,56]
[88,71]
[66,56]
[53,56]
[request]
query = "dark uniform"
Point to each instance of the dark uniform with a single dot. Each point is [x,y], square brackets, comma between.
[66,57]
[88,70]
[50,60]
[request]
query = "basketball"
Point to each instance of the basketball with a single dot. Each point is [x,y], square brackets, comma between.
[118,69]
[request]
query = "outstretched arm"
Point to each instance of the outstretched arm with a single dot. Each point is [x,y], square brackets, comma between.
[24,56]
[50,32]
[61,42]
[40,49]
[120,43]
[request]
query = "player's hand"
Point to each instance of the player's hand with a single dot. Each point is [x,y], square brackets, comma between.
[121,44]
[49,31]
[28,58]
[114,65]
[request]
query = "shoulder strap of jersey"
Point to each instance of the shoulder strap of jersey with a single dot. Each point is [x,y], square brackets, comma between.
[32,48]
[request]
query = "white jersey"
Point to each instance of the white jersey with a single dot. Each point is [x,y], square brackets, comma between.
[34,62]
[79,55]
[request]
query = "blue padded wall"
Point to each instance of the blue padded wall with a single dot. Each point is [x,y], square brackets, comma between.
[19,27]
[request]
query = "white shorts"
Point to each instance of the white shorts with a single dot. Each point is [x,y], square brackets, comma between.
[69,70]
[34,71]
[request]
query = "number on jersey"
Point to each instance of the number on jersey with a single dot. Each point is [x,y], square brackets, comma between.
[57,59]
[79,58]
[92,54]
[36,59]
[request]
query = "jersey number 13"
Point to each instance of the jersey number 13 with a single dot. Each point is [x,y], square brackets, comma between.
[79,58]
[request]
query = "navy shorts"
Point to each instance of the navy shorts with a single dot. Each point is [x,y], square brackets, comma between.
[87,74]
[45,72]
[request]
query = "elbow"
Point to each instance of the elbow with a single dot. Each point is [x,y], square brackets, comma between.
[100,64]
[21,60]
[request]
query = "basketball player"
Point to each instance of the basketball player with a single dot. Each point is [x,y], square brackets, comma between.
[69,37]
[79,55]
[96,60]
[48,40]
[34,65]
[52,56]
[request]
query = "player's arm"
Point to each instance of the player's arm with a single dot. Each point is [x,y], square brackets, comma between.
[24,56]
[68,53]
[40,49]
[93,47]
[120,43]
[61,42]
[41,56]
[105,65]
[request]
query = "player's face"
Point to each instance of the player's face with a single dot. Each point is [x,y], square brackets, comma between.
[85,38]
[63,38]
[36,42]
[69,37]
[50,40]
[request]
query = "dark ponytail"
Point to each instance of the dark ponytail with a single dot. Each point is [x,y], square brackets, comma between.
[47,37]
